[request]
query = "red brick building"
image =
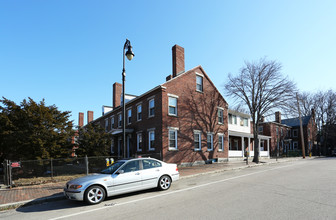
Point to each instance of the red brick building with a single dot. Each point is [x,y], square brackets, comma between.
[279,141]
[309,132]
[183,120]
[286,135]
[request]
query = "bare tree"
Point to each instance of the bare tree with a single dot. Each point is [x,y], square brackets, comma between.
[306,104]
[263,88]
[325,111]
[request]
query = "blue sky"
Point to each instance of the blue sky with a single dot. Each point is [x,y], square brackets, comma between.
[69,52]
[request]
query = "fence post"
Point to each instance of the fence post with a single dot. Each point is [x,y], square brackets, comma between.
[87,165]
[9,173]
[6,172]
[51,168]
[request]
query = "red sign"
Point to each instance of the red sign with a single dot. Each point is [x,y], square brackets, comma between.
[15,164]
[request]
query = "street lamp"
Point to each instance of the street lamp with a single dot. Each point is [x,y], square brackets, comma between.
[129,54]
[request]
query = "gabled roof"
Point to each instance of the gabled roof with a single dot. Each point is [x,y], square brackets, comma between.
[192,70]
[295,122]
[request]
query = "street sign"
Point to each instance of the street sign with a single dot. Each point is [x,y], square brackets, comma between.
[15,164]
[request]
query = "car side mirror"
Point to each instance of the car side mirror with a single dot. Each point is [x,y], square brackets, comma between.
[121,171]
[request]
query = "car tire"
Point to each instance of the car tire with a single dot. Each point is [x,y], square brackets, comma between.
[94,195]
[164,182]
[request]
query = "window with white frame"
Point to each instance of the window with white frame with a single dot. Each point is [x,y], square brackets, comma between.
[151,108]
[129,116]
[119,120]
[199,83]
[139,141]
[172,105]
[232,119]
[151,140]
[112,122]
[220,142]
[172,136]
[220,116]
[210,141]
[106,124]
[139,112]
[246,122]
[197,140]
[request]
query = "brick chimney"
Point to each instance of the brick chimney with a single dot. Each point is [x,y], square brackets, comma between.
[81,119]
[117,90]
[178,60]
[89,116]
[278,117]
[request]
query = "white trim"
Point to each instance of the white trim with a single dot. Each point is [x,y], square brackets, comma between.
[172,95]
[220,148]
[199,140]
[137,112]
[150,148]
[212,147]
[137,135]
[222,116]
[199,74]
[129,110]
[174,128]
[175,107]
[175,134]
[149,109]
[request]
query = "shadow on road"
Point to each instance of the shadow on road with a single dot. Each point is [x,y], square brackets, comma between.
[63,203]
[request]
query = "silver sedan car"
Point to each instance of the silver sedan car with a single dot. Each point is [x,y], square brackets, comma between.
[124,176]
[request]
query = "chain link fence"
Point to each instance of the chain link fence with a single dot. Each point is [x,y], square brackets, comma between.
[29,172]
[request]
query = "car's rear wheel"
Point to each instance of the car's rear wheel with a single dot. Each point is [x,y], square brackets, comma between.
[164,182]
[94,195]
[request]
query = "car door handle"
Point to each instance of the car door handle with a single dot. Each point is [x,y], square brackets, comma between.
[137,173]
[157,170]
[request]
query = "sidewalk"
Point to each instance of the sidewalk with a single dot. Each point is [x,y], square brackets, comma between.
[28,195]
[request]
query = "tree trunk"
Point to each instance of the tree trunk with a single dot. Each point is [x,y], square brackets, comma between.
[256,144]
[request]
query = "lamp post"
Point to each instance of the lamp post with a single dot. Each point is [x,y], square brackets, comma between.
[129,54]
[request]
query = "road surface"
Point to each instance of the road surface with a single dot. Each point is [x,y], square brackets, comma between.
[303,189]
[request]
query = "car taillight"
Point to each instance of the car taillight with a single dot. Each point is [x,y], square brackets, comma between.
[176,169]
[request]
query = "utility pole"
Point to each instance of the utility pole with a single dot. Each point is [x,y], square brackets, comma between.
[301,129]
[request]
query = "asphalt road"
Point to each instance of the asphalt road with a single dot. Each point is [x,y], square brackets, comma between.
[304,189]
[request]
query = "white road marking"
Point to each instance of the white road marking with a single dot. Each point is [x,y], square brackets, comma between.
[172,192]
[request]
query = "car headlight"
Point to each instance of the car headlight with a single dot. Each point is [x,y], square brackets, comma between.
[75,186]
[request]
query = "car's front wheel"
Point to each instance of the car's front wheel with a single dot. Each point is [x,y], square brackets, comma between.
[164,182]
[94,195]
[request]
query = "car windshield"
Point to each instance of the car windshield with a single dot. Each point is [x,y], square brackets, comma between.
[111,169]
